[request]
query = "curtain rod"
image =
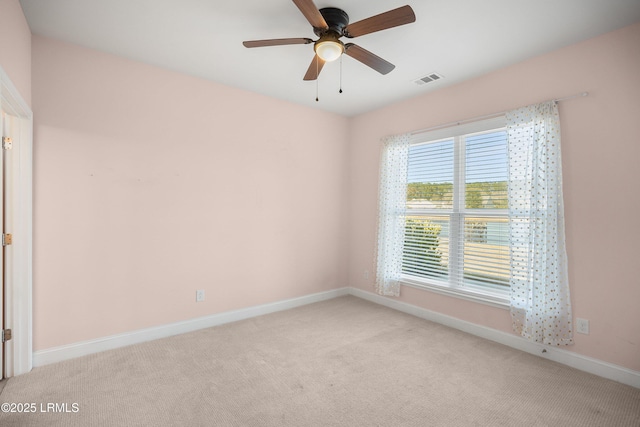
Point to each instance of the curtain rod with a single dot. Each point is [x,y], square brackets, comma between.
[488,116]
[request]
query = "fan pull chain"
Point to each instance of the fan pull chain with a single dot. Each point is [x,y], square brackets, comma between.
[340,91]
[317,78]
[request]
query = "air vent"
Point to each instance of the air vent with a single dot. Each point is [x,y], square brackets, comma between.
[428,79]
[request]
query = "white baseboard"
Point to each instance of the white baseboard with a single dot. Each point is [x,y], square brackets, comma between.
[574,360]
[71,351]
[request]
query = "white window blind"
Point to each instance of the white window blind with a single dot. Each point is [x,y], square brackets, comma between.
[457,226]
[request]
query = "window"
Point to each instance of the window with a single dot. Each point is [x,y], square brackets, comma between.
[476,211]
[456,234]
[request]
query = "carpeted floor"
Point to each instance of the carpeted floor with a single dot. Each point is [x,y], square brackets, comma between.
[342,362]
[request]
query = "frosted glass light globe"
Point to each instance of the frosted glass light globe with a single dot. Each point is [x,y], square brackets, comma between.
[329,50]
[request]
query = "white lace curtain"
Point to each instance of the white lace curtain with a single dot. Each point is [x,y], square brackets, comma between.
[539,299]
[391,218]
[540,302]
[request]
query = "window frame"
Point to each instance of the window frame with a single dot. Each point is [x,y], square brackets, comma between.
[451,287]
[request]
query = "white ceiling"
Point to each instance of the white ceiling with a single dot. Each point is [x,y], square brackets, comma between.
[459,39]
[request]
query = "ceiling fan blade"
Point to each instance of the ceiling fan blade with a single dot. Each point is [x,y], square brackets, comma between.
[368,58]
[314,69]
[276,42]
[393,18]
[311,12]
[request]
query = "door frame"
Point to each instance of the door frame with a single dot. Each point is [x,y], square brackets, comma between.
[18,356]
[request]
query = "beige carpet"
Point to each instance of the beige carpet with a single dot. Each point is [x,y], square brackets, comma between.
[343,362]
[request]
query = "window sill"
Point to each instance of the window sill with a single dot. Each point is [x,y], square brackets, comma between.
[494,299]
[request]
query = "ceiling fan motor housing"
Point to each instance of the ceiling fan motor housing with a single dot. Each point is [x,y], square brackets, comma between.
[336,19]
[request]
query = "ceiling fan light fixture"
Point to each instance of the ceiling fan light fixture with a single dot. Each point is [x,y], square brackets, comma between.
[329,50]
[330,24]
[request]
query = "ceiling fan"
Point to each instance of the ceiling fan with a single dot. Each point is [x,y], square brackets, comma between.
[330,24]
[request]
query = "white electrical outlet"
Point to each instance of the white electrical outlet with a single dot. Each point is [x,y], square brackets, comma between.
[200,295]
[366,275]
[582,326]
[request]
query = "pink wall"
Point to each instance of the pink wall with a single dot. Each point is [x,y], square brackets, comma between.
[150,185]
[15,47]
[601,175]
